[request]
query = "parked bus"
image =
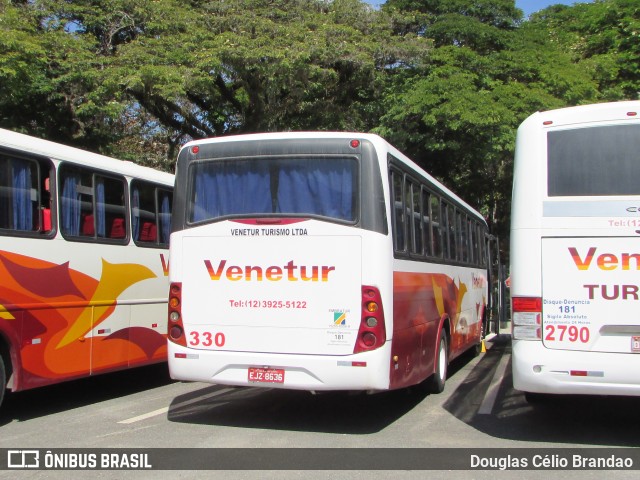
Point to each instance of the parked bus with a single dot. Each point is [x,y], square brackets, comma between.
[320,261]
[83,263]
[575,252]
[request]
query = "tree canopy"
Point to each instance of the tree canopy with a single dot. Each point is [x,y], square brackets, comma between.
[446,81]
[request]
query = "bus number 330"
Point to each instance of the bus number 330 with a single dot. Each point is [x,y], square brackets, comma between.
[207,339]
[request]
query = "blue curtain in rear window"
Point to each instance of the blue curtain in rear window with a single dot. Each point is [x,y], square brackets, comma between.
[230,188]
[317,187]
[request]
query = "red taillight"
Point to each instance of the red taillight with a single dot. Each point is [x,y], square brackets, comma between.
[369,339]
[371,334]
[175,332]
[526,318]
[527,304]
[175,327]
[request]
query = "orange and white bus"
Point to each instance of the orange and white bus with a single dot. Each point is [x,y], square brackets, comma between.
[320,261]
[83,263]
[575,252]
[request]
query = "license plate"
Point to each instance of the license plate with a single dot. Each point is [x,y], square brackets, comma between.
[635,343]
[266,375]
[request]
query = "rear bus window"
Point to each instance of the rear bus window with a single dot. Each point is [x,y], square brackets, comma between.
[594,161]
[314,186]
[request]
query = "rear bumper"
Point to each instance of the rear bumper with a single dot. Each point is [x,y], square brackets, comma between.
[363,371]
[595,373]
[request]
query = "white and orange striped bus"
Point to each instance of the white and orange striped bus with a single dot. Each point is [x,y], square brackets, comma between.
[83,263]
[320,261]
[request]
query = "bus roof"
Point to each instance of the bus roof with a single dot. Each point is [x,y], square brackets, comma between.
[46,148]
[581,114]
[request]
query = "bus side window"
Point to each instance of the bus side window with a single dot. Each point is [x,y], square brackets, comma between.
[453,240]
[461,226]
[23,197]
[398,212]
[417,219]
[92,205]
[110,207]
[473,241]
[446,244]
[165,203]
[426,224]
[150,214]
[436,227]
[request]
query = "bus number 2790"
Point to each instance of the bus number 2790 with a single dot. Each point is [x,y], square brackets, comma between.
[571,333]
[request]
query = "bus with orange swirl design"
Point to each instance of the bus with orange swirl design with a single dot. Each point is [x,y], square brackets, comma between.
[320,261]
[83,263]
[575,252]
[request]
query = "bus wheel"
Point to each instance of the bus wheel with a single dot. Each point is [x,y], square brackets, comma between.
[437,380]
[3,379]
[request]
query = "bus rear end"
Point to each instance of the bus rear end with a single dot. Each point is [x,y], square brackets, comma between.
[276,280]
[575,255]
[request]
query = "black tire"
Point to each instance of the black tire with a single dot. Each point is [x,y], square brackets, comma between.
[437,380]
[3,379]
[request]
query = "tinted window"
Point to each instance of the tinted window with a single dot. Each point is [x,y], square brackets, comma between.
[150,213]
[92,205]
[453,241]
[594,161]
[25,202]
[426,223]
[436,234]
[301,186]
[413,211]
[399,226]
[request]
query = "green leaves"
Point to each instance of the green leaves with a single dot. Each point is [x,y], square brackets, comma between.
[447,81]
[603,37]
[458,115]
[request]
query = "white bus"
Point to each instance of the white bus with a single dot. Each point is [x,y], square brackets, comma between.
[320,261]
[83,263]
[575,251]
